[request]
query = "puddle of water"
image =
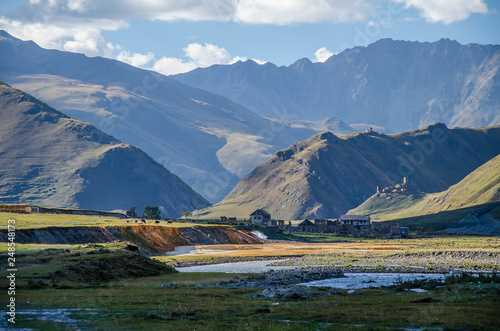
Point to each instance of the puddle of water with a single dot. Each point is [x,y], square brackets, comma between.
[181,250]
[354,281]
[53,315]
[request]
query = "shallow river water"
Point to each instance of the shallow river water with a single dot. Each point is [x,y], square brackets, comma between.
[237,267]
[351,281]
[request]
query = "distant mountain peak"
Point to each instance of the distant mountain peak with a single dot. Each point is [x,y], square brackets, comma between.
[396,84]
[327,135]
[434,126]
[5,34]
[302,65]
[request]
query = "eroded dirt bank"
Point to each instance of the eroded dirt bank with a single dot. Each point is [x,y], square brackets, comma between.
[153,239]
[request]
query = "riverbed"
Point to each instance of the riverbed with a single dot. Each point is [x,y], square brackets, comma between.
[350,281]
[238,267]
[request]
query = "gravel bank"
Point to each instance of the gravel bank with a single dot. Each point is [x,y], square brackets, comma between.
[433,261]
[284,277]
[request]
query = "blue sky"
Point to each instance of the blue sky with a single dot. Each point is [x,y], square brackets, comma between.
[177,36]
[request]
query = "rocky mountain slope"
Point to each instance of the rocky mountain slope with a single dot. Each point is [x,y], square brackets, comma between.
[325,176]
[482,186]
[207,140]
[399,85]
[50,159]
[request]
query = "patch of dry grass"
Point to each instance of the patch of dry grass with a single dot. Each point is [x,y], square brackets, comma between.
[284,249]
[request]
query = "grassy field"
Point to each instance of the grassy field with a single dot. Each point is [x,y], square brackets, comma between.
[104,287]
[25,221]
[149,306]
[146,304]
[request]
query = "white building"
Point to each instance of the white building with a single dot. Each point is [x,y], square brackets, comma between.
[356,220]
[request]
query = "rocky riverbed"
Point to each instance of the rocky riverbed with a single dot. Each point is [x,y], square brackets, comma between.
[283,285]
[284,277]
[428,261]
[304,283]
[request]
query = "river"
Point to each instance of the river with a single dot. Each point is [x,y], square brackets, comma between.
[351,281]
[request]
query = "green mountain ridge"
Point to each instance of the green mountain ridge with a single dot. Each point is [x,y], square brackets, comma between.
[482,186]
[326,176]
[50,159]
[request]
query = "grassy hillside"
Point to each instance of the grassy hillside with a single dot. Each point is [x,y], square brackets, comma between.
[482,186]
[50,159]
[30,221]
[325,176]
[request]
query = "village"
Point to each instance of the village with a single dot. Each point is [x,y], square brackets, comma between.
[345,225]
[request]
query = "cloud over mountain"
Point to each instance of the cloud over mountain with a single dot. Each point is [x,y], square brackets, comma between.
[78,25]
[446,12]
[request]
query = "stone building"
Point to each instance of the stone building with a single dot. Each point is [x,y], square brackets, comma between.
[261,217]
[355,220]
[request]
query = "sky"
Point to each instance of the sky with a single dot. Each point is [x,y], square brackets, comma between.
[175,36]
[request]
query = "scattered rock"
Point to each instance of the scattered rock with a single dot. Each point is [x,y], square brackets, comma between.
[261,311]
[275,278]
[425,300]
[292,293]
[132,248]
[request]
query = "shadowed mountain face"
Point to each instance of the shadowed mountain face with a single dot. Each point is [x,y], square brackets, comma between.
[325,176]
[207,140]
[49,159]
[482,186]
[394,84]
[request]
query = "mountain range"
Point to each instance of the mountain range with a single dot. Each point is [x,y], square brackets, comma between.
[325,175]
[398,85]
[205,139]
[50,159]
[217,125]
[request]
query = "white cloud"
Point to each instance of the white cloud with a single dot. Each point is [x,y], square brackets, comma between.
[197,55]
[206,55]
[322,54]
[135,59]
[89,42]
[79,6]
[172,66]
[277,12]
[284,12]
[446,11]
[243,59]
[83,39]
